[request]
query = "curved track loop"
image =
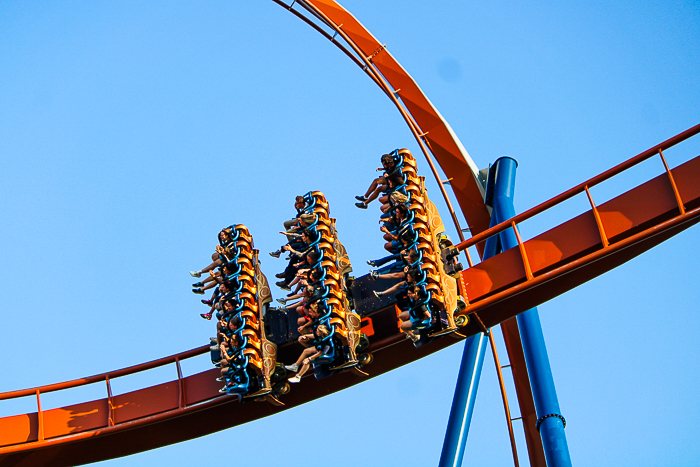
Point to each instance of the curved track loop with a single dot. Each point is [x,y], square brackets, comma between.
[430,129]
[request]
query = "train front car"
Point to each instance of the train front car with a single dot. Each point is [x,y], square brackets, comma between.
[246,357]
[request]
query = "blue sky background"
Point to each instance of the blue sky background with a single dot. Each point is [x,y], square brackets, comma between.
[131,132]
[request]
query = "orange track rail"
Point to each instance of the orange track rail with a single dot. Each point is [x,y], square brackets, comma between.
[432,133]
[499,288]
[587,245]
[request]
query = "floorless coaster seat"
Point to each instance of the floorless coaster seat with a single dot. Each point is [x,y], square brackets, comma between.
[326,341]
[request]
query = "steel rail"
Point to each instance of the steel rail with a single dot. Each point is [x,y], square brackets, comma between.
[367,66]
[70,438]
[504,397]
[106,376]
[658,229]
[324,34]
[580,188]
[177,412]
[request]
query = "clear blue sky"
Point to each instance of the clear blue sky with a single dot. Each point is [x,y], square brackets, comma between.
[131,132]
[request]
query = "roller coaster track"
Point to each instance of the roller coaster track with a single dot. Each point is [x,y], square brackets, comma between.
[586,246]
[499,288]
[542,268]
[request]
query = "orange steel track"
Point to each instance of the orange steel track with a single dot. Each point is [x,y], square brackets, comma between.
[586,246]
[432,133]
[499,288]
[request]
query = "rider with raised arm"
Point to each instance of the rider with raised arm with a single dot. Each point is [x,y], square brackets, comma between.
[304,219]
[410,277]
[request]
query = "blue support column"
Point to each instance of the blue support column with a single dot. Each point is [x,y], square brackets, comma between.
[467,384]
[551,423]
[463,401]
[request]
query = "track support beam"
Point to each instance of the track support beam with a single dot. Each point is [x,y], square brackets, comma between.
[550,422]
[469,374]
[463,401]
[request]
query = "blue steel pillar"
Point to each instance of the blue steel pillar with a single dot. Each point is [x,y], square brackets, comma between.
[551,423]
[467,384]
[463,401]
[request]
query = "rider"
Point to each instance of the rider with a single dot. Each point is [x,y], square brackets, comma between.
[379,184]
[417,314]
[314,349]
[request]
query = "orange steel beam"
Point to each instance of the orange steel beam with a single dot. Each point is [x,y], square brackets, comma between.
[112,374]
[522,295]
[476,239]
[506,408]
[523,391]
[81,433]
[366,65]
[430,129]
